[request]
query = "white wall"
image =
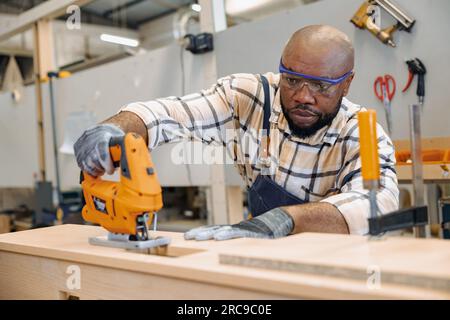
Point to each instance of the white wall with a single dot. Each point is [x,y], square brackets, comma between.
[102,90]
[18,140]
[256,47]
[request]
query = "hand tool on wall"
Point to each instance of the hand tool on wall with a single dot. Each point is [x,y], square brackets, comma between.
[125,208]
[416,217]
[362,19]
[384,88]
[416,67]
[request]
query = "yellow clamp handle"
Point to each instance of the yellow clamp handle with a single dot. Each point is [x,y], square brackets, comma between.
[59,74]
[64,74]
[367,122]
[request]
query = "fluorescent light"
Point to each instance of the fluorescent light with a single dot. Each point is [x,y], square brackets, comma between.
[196,7]
[237,7]
[119,40]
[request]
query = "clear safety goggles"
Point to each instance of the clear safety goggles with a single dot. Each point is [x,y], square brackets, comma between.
[295,80]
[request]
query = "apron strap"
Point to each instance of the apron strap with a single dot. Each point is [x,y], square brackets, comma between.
[266,106]
[266,125]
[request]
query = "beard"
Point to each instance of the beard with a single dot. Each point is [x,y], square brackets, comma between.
[325,119]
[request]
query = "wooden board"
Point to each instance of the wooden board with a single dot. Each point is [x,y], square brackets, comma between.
[33,264]
[396,260]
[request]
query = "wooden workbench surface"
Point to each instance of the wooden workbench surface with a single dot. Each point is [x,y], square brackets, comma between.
[300,266]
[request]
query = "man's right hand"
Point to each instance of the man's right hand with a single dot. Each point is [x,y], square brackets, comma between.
[92,149]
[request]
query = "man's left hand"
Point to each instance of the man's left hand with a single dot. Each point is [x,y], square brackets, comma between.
[273,224]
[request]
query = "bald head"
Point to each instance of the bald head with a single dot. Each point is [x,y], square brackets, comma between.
[323,52]
[325,47]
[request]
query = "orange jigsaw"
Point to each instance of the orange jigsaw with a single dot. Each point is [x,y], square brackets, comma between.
[125,208]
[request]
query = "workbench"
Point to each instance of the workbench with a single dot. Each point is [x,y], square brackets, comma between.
[433,172]
[59,263]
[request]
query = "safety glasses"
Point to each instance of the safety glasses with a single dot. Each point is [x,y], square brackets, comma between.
[283,69]
[315,84]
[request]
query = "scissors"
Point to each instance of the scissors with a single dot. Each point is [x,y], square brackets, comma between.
[384,88]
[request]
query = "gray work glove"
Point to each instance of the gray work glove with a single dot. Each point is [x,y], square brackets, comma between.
[92,149]
[275,223]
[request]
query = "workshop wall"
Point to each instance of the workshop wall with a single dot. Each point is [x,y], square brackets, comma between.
[256,48]
[101,91]
[250,47]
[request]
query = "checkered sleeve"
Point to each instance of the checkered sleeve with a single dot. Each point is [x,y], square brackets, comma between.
[353,199]
[202,116]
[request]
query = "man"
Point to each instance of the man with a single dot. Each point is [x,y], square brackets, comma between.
[304,135]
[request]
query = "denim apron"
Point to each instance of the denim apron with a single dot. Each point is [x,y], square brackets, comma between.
[265,194]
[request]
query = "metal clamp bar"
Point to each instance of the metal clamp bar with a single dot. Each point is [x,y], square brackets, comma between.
[397,220]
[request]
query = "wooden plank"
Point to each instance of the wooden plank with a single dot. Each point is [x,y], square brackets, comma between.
[44,60]
[347,258]
[196,264]
[27,281]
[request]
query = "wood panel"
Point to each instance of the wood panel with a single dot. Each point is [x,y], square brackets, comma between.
[191,265]
[398,261]
[31,277]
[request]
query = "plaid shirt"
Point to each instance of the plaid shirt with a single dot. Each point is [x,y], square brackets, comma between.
[325,167]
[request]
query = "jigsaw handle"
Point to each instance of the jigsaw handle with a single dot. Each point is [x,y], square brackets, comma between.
[120,148]
[115,149]
[115,152]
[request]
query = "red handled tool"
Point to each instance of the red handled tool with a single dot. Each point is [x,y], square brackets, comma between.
[415,66]
[384,88]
